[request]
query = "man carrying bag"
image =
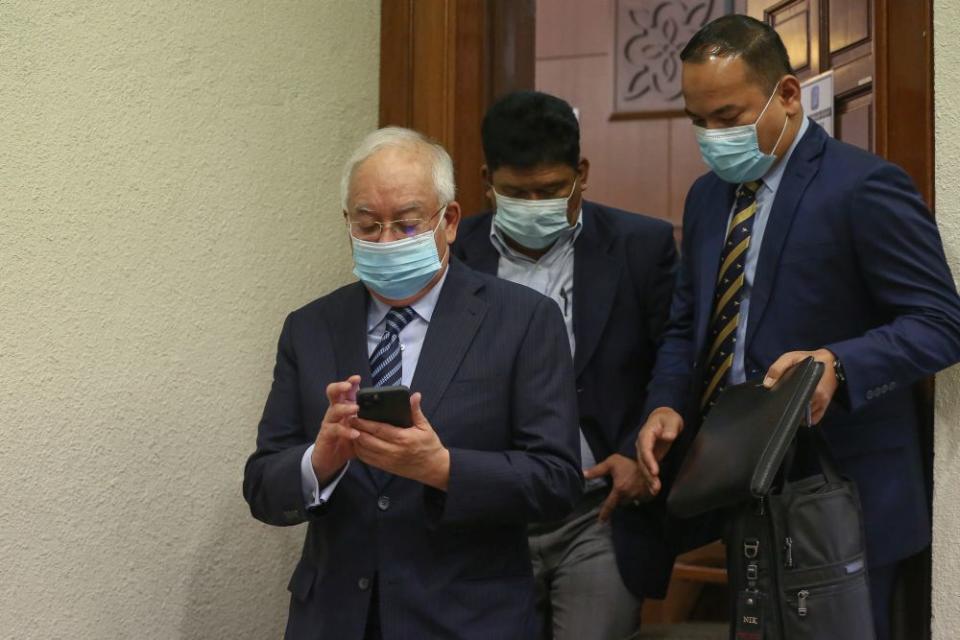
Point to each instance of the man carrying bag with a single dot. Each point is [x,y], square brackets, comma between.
[798,245]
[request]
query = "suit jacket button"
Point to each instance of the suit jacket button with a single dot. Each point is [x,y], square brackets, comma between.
[870,394]
[363,583]
[383,503]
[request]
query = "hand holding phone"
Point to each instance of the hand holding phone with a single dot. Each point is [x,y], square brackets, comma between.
[397,437]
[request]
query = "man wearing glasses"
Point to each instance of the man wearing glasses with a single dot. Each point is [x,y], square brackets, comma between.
[416,532]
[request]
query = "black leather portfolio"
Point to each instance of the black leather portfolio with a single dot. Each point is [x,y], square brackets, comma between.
[742,442]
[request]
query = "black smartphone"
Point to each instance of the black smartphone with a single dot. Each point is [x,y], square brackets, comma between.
[385,404]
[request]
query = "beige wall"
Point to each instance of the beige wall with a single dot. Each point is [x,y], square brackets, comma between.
[946,508]
[168,191]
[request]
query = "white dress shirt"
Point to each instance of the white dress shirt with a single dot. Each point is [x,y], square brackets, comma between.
[551,275]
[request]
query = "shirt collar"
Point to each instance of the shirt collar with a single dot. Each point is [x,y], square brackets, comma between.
[423,307]
[569,236]
[772,180]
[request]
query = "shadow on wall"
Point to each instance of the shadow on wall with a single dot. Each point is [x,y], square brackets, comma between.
[237,588]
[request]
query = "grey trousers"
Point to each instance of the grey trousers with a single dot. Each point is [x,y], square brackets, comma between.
[580,595]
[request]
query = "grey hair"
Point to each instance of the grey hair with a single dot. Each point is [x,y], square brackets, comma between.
[399,137]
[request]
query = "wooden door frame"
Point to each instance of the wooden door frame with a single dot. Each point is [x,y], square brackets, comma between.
[442,63]
[904,131]
[904,125]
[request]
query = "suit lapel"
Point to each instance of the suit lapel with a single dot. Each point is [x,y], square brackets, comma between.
[714,227]
[801,168]
[349,330]
[595,278]
[455,321]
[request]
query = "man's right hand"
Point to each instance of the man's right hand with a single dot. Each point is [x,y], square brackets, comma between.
[334,445]
[655,439]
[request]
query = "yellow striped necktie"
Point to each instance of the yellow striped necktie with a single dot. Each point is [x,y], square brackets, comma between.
[725,316]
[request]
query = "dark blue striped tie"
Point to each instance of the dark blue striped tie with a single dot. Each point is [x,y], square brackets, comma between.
[386,363]
[722,336]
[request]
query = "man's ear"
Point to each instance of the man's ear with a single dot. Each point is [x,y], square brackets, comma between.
[451,221]
[487,179]
[583,173]
[790,95]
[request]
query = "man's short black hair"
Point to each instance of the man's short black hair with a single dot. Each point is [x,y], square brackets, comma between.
[528,128]
[756,42]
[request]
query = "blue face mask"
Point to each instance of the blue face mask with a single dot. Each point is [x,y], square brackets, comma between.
[535,224]
[400,269]
[734,154]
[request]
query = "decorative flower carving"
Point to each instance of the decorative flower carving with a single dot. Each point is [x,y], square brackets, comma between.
[654,34]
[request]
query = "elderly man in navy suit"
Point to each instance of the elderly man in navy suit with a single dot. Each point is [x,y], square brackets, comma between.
[611,273]
[416,532]
[799,245]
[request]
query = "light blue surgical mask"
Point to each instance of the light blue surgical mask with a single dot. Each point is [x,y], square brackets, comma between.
[535,224]
[400,269]
[734,153]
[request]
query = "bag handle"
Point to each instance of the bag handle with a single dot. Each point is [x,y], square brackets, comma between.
[810,435]
[828,463]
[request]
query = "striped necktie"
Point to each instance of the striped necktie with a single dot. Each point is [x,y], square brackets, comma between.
[726,299]
[386,363]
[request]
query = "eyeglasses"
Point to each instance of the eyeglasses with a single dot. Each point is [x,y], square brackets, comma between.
[369,229]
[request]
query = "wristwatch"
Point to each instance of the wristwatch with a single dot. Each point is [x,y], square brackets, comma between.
[838,371]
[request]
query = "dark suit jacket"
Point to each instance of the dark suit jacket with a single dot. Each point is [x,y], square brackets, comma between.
[453,564]
[851,261]
[624,267]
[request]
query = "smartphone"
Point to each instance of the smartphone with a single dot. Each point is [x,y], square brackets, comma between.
[385,404]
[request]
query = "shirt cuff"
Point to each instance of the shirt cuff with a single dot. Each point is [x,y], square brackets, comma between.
[313,495]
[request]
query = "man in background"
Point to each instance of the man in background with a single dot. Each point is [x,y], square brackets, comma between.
[415,532]
[798,245]
[610,272]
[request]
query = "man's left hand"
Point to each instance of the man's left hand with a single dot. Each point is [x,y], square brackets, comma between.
[628,484]
[828,382]
[414,452]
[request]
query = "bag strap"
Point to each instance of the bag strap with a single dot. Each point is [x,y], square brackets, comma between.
[828,463]
[810,435]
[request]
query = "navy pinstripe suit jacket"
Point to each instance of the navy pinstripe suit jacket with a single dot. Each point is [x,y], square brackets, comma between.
[453,564]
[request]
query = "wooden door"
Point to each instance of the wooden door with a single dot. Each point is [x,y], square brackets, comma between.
[821,35]
[874,47]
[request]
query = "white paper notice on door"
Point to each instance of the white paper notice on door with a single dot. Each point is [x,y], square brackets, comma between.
[816,96]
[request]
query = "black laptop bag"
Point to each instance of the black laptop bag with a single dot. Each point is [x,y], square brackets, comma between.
[795,559]
[795,548]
